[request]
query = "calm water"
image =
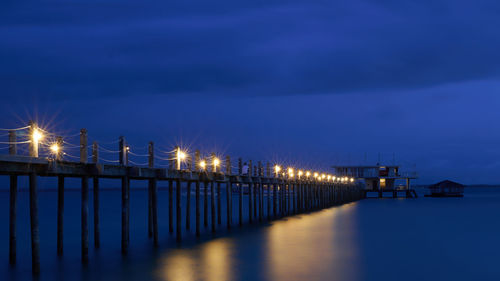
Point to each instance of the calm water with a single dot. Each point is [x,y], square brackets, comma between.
[422,239]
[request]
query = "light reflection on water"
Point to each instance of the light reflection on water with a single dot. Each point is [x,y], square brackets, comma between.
[210,261]
[317,246]
[312,247]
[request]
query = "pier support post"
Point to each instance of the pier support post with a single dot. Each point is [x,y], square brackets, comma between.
[150,189]
[197,203]
[35,234]
[178,212]
[229,187]
[170,206]
[12,220]
[60,215]
[212,196]
[125,218]
[154,210]
[13,203]
[228,204]
[240,205]
[188,206]
[97,236]
[85,198]
[268,200]
[274,199]
[255,193]
[250,191]
[219,215]
[85,217]
[205,204]
[260,198]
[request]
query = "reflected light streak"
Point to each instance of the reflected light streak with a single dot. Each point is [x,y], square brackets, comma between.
[210,261]
[308,248]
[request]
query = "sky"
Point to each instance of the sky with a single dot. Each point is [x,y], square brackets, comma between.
[305,83]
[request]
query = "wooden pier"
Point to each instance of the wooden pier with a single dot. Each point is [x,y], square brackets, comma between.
[287,193]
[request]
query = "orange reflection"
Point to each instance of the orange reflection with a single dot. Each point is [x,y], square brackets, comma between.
[308,247]
[209,261]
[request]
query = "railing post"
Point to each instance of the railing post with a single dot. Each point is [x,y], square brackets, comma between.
[33,147]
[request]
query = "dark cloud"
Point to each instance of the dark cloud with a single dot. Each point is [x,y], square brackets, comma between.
[71,48]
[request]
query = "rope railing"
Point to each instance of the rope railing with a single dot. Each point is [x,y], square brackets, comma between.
[48,146]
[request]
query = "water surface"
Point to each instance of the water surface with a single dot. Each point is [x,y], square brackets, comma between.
[388,239]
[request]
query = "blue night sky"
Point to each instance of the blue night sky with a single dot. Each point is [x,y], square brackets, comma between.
[309,83]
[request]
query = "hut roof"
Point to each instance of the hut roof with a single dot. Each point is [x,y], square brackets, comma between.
[447,183]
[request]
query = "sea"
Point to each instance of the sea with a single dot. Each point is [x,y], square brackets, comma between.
[372,239]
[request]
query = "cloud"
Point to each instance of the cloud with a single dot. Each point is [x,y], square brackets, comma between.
[91,49]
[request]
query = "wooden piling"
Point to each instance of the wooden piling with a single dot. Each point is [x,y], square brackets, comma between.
[289,197]
[12,220]
[188,206]
[255,193]
[205,205]
[13,203]
[178,211]
[60,214]
[212,196]
[85,215]
[275,201]
[125,218]
[250,191]
[150,190]
[170,206]
[197,203]
[35,233]
[219,216]
[240,205]
[260,199]
[268,201]
[85,198]
[259,188]
[154,211]
[95,160]
[229,206]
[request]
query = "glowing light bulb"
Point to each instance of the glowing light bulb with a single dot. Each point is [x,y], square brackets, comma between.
[308,174]
[277,169]
[203,164]
[316,175]
[300,173]
[54,148]
[181,155]
[37,135]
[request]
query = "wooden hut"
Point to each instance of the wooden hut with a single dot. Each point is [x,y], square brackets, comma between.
[446,189]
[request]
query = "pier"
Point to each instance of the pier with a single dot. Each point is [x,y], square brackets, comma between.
[272,191]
